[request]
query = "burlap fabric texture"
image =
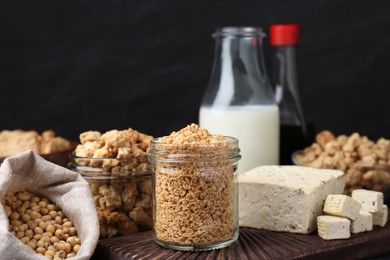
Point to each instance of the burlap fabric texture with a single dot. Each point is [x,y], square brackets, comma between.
[66,188]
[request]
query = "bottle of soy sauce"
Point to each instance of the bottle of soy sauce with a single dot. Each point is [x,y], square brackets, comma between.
[295,132]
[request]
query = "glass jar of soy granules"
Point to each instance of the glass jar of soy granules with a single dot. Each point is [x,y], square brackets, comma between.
[195,189]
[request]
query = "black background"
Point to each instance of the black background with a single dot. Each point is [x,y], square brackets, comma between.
[74,66]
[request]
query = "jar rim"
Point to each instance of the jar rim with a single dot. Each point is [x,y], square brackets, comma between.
[98,172]
[228,140]
[239,31]
[166,152]
[72,156]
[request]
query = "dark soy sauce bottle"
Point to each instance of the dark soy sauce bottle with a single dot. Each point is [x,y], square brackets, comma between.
[295,131]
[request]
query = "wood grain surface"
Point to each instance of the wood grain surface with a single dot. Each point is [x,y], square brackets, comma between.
[254,244]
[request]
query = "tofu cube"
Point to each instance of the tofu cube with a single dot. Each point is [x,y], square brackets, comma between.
[380,217]
[342,206]
[286,198]
[331,227]
[363,223]
[372,201]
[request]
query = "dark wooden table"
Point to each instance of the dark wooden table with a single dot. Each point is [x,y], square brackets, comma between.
[255,244]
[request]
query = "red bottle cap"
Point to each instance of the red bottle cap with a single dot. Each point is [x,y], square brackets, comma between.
[284,34]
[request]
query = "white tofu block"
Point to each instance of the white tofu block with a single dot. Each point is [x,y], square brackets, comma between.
[380,217]
[363,223]
[331,227]
[372,201]
[286,198]
[342,206]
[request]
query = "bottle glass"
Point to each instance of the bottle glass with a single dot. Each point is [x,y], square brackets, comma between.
[239,100]
[295,131]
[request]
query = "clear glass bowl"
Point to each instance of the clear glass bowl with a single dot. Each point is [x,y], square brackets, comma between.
[122,193]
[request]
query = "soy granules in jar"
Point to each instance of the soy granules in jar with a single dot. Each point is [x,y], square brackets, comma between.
[41,225]
[195,189]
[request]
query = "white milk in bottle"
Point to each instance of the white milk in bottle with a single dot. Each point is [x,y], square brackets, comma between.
[256,127]
[239,100]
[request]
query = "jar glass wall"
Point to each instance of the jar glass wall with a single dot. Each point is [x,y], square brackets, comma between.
[195,194]
[122,194]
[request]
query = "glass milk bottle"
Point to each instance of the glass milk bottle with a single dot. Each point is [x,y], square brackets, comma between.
[239,100]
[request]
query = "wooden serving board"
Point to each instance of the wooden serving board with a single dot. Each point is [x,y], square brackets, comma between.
[254,244]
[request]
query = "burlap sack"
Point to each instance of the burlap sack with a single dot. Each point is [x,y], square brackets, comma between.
[64,187]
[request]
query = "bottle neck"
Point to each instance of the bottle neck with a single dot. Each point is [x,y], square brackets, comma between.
[284,71]
[239,76]
[287,92]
